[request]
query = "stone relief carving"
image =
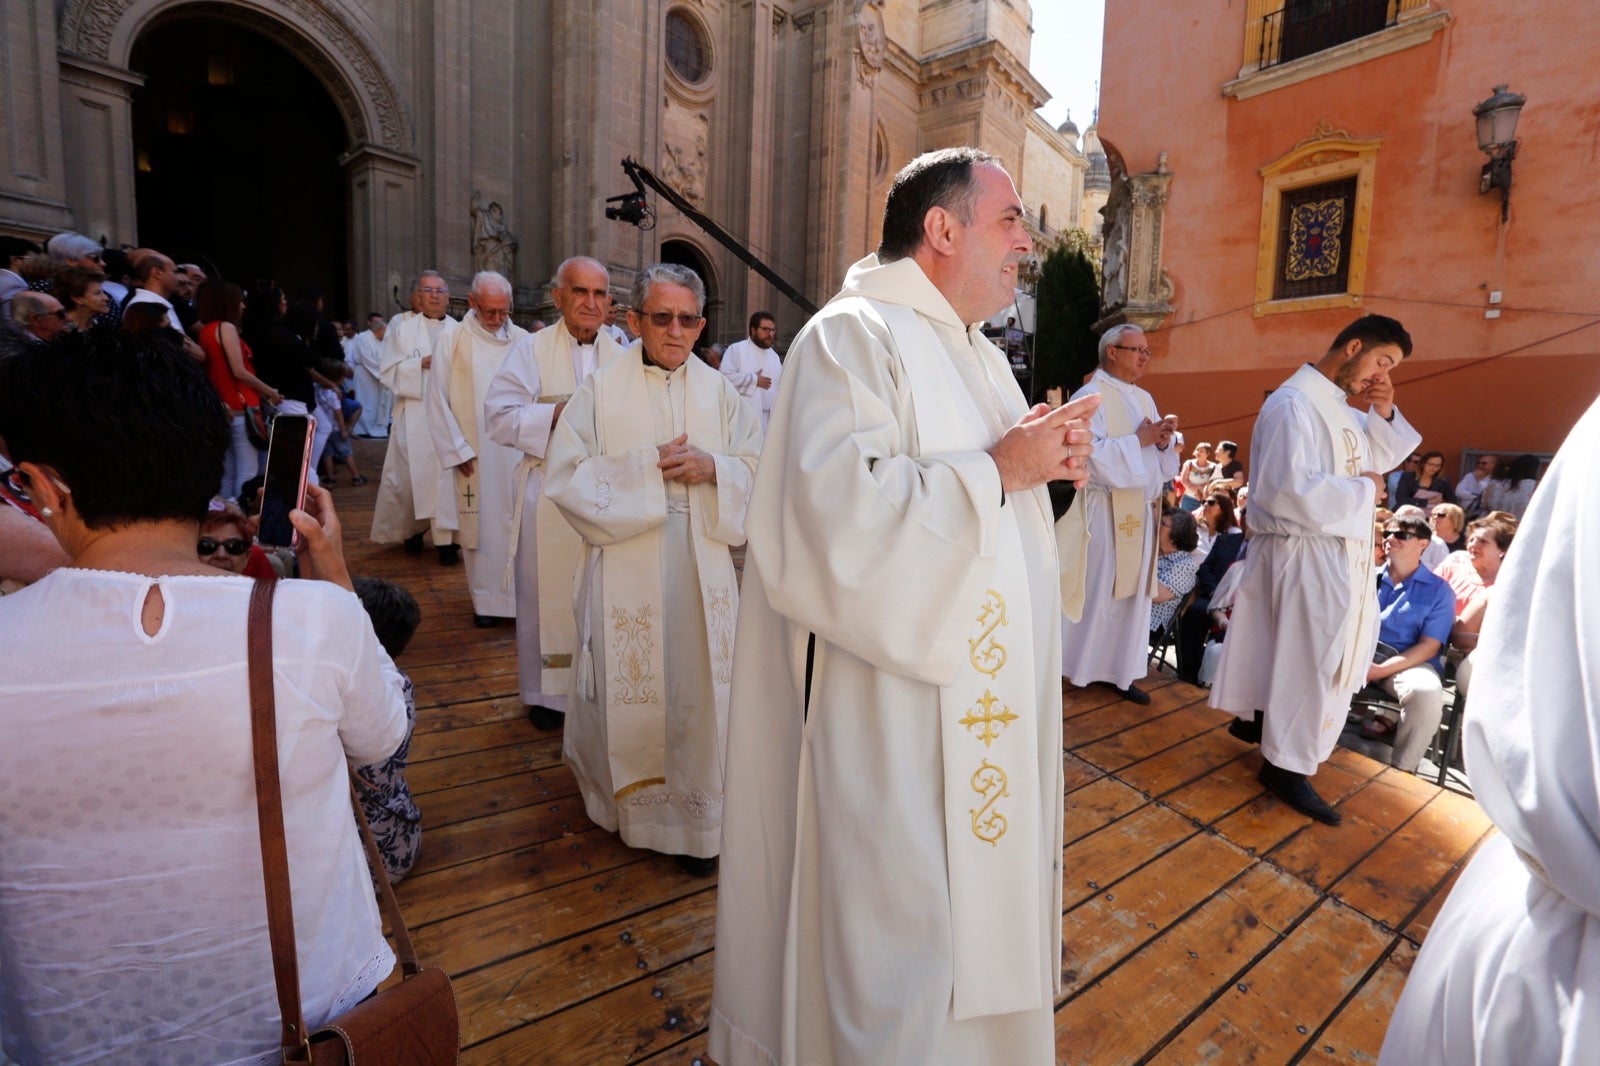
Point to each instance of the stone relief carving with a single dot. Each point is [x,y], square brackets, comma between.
[686,137]
[88,27]
[1134,287]
[494,246]
[871,42]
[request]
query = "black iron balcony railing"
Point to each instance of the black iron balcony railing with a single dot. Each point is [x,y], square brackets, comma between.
[1303,27]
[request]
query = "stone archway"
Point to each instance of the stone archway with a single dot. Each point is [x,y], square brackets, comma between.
[95,42]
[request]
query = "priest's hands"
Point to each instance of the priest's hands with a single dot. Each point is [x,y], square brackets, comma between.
[466,467]
[1379,396]
[763,382]
[1047,445]
[682,461]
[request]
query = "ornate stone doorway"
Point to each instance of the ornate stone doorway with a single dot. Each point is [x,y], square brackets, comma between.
[236,158]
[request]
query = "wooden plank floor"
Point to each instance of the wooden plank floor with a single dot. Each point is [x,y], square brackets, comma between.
[1205,922]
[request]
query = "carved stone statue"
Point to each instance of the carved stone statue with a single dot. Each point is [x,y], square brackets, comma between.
[1113,273]
[494,246]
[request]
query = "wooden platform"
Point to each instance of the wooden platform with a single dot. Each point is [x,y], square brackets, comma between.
[1205,922]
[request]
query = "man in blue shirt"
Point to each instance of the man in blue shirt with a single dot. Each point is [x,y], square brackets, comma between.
[1417,609]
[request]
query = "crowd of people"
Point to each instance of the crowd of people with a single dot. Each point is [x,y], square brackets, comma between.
[863,729]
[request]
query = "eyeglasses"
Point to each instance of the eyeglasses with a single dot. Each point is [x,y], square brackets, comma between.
[1212,503]
[1401,534]
[427,291]
[663,319]
[57,313]
[1127,348]
[233,545]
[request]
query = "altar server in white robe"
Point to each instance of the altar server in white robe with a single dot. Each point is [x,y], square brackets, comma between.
[1510,970]
[526,399]
[890,889]
[754,367]
[1305,620]
[408,492]
[1111,532]
[364,353]
[652,463]
[475,493]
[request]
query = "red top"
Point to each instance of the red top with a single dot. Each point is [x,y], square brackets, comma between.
[236,394]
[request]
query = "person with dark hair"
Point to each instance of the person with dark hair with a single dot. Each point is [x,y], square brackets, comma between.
[392,814]
[1426,487]
[1216,517]
[1512,486]
[81,291]
[896,678]
[142,317]
[283,358]
[1176,567]
[230,364]
[1230,470]
[1301,636]
[122,700]
[14,251]
[754,367]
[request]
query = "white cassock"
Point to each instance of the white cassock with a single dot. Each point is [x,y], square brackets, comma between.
[476,508]
[647,715]
[1305,617]
[408,493]
[890,888]
[542,370]
[1111,640]
[1510,970]
[741,362]
[365,355]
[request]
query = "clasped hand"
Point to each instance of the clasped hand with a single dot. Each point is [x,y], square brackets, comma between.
[1047,444]
[682,461]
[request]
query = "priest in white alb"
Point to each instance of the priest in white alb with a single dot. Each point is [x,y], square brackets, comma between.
[526,399]
[1305,620]
[754,367]
[1110,533]
[890,889]
[651,462]
[364,353]
[1510,969]
[408,492]
[475,495]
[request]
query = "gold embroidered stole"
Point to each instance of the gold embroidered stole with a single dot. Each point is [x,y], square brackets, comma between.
[1131,509]
[989,726]
[1348,438]
[462,394]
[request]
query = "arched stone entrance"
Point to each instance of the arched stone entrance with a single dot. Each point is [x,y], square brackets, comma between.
[376,161]
[682,253]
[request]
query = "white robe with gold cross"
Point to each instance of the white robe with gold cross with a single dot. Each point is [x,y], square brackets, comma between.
[647,714]
[408,492]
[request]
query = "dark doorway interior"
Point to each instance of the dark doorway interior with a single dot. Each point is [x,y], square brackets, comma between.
[236,148]
[682,253]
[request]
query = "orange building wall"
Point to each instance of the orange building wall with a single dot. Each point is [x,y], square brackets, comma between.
[1436,247]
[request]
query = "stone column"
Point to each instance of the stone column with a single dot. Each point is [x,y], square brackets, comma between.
[97,127]
[383,236]
[1136,289]
[33,190]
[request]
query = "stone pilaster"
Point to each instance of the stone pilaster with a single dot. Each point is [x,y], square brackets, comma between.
[33,174]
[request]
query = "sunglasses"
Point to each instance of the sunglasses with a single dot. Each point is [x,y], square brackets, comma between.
[1401,534]
[233,545]
[663,319]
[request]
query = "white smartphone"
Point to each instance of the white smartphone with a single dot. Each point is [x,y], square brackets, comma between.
[284,488]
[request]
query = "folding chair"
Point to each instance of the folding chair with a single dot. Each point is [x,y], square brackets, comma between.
[1166,638]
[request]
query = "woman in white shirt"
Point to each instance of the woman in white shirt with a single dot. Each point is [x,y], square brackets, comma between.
[132,914]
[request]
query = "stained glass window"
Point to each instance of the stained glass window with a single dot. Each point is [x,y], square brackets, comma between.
[1314,240]
[688,54]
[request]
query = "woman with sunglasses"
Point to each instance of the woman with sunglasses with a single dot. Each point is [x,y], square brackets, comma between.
[225,543]
[131,904]
[1216,518]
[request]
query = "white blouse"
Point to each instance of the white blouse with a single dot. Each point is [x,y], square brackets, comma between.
[133,924]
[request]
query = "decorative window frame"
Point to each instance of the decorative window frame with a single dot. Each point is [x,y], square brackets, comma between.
[1414,25]
[692,92]
[1327,155]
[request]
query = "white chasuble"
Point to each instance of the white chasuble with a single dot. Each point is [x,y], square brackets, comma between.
[477,506]
[850,924]
[646,716]
[1302,628]
[541,371]
[408,493]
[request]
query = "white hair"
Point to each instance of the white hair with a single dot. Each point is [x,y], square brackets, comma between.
[668,274]
[72,246]
[1113,335]
[561,271]
[485,282]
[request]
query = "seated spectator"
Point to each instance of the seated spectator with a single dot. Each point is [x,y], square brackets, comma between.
[131,899]
[1471,487]
[82,293]
[1415,612]
[1176,567]
[1488,540]
[1196,623]
[1408,466]
[1450,526]
[1196,474]
[226,542]
[1427,486]
[1232,470]
[392,814]
[1216,517]
[1435,552]
[1512,486]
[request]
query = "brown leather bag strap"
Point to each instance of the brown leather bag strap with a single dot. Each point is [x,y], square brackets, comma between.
[269,815]
[390,906]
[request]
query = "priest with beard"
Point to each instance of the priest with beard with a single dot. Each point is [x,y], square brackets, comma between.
[475,500]
[1305,620]
[651,462]
[524,404]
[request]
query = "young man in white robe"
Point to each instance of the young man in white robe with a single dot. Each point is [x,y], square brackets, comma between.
[1306,618]
[408,492]
[754,367]
[1509,972]
[1110,533]
[475,492]
[524,404]
[891,877]
[365,356]
[652,463]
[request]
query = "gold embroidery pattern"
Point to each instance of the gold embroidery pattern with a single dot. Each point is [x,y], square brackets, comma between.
[987,654]
[1352,451]
[602,495]
[719,631]
[1130,525]
[990,782]
[988,724]
[632,638]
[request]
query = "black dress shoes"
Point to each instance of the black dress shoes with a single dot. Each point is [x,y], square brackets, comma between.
[1133,695]
[485,621]
[697,867]
[1297,792]
[414,545]
[544,719]
[449,554]
[1249,732]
